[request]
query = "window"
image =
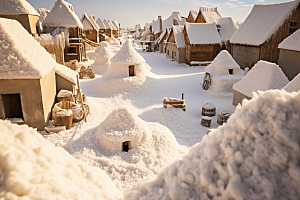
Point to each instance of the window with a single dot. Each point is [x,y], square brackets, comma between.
[231,71]
[72,50]
[126,146]
[12,105]
[293,27]
[131,70]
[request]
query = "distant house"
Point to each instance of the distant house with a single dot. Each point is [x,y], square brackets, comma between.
[108,30]
[208,15]
[264,28]
[175,45]
[139,28]
[101,25]
[226,28]
[90,28]
[117,25]
[203,42]
[192,16]
[289,55]
[23,12]
[263,76]
[30,81]
[63,16]
[161,41]
[114,29]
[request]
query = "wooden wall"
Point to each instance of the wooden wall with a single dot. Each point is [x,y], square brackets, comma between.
[92,35]
[200,18]
[171,38]
[198,52]
[190,18]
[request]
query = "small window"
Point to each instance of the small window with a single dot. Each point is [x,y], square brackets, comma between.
[230,71]
[12,105]
[126,146]
[293,27]
[131,70]
[72,50]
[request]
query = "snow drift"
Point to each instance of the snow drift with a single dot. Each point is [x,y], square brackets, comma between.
[33,168]
[253,156]
[102,61]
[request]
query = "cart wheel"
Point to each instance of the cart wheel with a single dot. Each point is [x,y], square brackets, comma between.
[205,85]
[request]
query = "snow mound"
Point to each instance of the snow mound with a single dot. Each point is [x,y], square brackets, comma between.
[152,147]
[253,156]
[33,168]
[128,55]
[221,79]
[263,76]
[293,85]
[114,41]
[292,42]
[103,44]
[134,45]
[102,61]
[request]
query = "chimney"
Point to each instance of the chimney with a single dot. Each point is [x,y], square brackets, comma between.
[93,17]
[160,23]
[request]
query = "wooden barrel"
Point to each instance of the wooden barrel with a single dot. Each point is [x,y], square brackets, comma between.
[65,95]
[209,109]
[64,118]
[206,121]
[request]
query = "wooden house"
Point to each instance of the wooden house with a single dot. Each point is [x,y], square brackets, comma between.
[192,16]
[114,29]
[262,77]
[101,25]
[175,45]
[208,15]
[289,55]
[161,41]
[203,42]
[226,28]
[108,30]
[90,28]
[63,16]
[23,12]
[139,28]
[29,81]
[265,27]
[117,25]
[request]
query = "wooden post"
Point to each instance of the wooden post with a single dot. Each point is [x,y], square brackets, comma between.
[182,96]
[80,97]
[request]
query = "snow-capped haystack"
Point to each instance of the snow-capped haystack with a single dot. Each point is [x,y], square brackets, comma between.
[127,148]
[293,85]
[33,168]
[102,61]
[121,126]
[225,72]
[17,7]
[263,76]
[253,156]
[62,15]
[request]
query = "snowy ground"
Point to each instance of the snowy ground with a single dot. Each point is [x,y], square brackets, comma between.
[167,79]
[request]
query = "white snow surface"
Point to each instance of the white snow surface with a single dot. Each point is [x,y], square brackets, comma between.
[21,56]
[253,156]
[33,168]
[262,22]
[16,7]
[194,13]
[211,15]
[100,23]
[202,33]
[263,76]
[153,147]
[293,85]
[128,55]
[43,14]
[102,61]
[227,28]
[62,15]
[292,42]
[179,36]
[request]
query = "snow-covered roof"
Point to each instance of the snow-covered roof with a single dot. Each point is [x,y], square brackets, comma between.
[263,76]
[262,22]
[139,26]
[227,28]
[94,22]
[21,56]
[224,60]
[194,14]
[292,42]
[66,73]
[293,85]
[166,31]
[100,24]
[243,159]
[116,24]
[43,14]
[179,36]
[107,25]
[147,26]
[128,55]
[62,15]
[202,33]
[210,15]
[16,7]
[87,23]
[169,22]
[112,26]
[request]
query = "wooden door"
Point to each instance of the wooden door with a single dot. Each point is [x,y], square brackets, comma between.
[131,70]
[12,105]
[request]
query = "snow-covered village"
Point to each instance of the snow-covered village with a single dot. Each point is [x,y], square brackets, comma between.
[179,103]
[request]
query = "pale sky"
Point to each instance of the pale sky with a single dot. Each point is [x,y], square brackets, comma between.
[131,12]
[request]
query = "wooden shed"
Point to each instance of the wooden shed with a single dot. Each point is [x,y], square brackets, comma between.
[62,15]
[265,27]
[289,55]
[90,28]
[101,25]
[203,42]
[175,45]
[192,16]
[118,26]
[208,15]
[161,41]
[23,12]
[114,29]
[108,30]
